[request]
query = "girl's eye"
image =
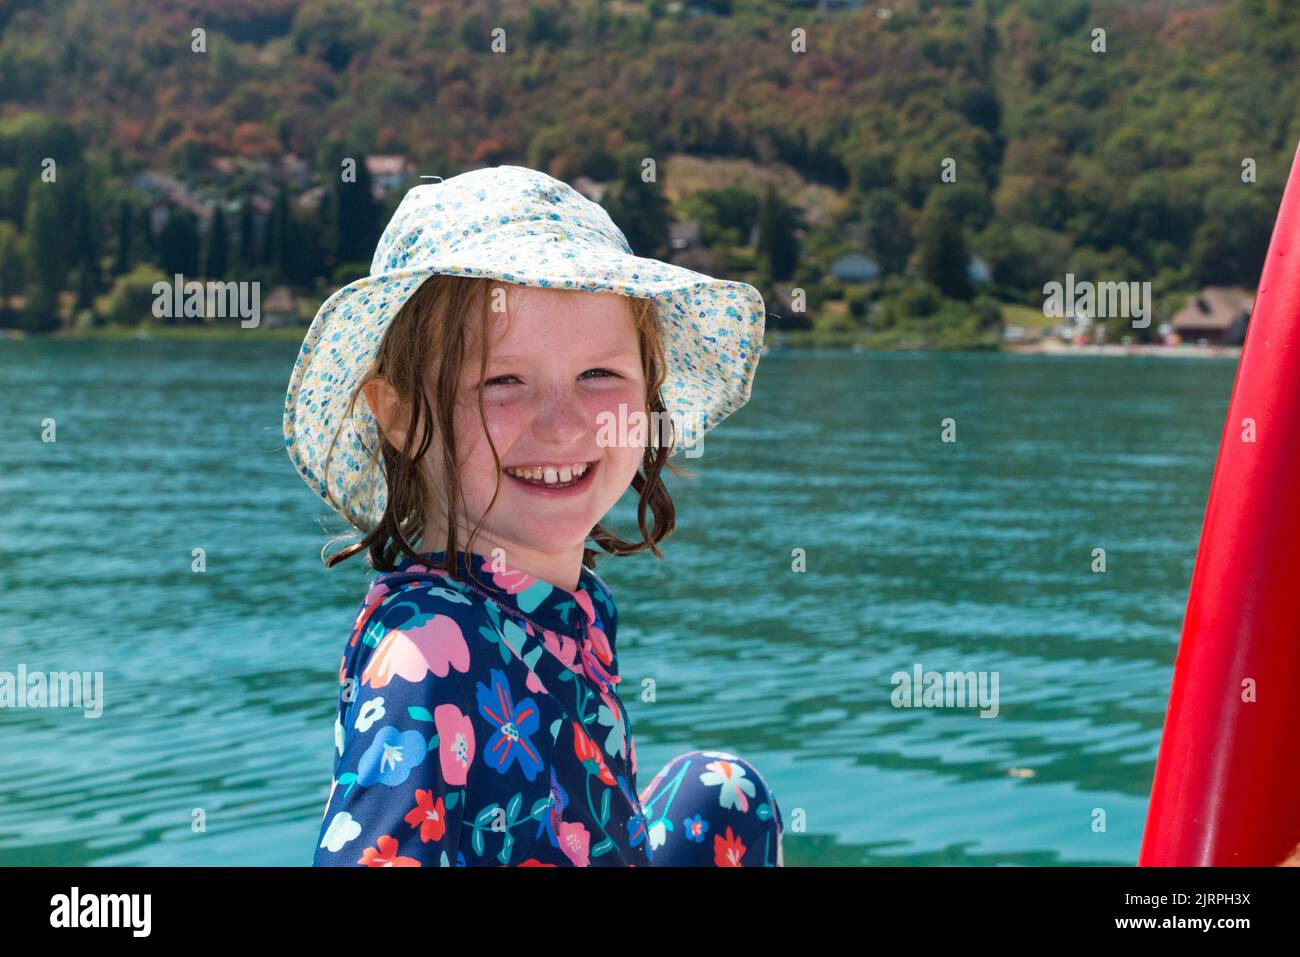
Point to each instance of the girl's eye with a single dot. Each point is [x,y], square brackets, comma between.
[502,379]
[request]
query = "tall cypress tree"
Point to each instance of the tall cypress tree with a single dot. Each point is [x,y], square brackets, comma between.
[941,254]
[179,245]
[358,218]
[309,254]
[777,249]
[326,234]
[86,248]
[639,209]
[125,226]
[11,263]
[217,243]
[288,253]
[277,241]
[886,232]
[47,253]
[247,235]
[270,241]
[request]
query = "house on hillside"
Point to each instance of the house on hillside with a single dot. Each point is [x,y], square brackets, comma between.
[855,268]
[280,308]
[589,187]
[780,305]
[699,258]
[685,234]
[224,166]
[387,173]
[310,199]
[1217,314]
[157,183]
[288,168]
[167,193]
[294,171]
[161,210]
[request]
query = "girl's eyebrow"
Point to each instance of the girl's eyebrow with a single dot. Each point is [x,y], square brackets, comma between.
[613,354]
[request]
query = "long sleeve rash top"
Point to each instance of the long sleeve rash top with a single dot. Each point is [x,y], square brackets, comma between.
[479,725]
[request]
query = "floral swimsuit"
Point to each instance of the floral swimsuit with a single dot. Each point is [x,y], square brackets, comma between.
[478,724]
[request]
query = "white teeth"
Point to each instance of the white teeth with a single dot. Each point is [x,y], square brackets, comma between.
[550,474]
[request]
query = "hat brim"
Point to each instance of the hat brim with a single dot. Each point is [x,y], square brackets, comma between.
[713,336]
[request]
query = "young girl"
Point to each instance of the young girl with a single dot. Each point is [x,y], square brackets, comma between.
[499,358]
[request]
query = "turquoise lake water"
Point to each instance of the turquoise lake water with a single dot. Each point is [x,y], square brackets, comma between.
[219,688]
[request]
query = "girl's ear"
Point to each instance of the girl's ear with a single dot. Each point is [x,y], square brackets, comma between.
[386,407]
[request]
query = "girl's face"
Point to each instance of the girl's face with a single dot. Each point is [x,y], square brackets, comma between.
[561,361]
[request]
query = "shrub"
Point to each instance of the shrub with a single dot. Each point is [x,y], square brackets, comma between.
[131,299]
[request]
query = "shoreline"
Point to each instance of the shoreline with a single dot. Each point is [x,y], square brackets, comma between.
[297,333]
[1183,351]
[208,333]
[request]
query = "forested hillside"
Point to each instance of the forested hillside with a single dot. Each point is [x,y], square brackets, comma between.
[1125,164]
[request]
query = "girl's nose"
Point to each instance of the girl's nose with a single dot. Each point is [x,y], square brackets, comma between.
[561,416]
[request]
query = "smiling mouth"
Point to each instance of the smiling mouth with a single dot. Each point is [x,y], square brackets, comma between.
[551,476]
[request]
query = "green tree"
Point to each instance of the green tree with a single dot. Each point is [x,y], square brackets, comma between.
[26,141]
[42,311]
[968,202]
[86,249]
[48,251]
[941,255]
[124,255]
[639,209]
[305,258]
[325,231]
[888,236]
[130,299]
[179,244]
[358,218]
[574,147]
[778,250]
[11,263]
[726,215]
[1232,241]
[542,27]
[277,241]
[217,245]
[247,235]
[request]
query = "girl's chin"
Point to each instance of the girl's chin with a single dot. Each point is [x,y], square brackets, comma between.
[551,536]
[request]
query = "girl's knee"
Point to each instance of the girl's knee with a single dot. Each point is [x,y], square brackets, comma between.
[745,771]
[712,796]
[730,765]
[763,792]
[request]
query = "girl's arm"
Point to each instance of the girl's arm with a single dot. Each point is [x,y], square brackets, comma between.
[406,749]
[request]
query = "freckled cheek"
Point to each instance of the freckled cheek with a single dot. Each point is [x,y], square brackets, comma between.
[620,408]
[607,402]
[504,425]
[506,421]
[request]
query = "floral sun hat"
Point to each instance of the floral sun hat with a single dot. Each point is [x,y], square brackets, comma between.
[515,225]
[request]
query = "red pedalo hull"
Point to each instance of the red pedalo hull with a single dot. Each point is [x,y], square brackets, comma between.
[1227,780]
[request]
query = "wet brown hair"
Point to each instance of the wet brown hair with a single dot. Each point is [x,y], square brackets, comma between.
[422,353]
